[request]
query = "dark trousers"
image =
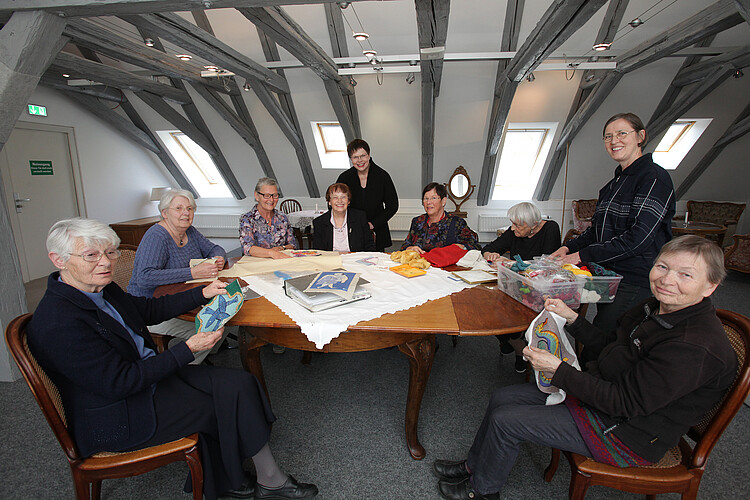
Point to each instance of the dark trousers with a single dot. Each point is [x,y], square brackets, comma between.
[227,407]
[515,414]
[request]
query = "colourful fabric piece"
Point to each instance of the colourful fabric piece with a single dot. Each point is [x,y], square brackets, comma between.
[256,231]
[159,261]
[448,230]
[221,309]
[444,256]
[603,444]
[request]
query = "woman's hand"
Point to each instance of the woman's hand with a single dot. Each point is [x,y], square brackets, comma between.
[573,258]
[219,262]
[542,360]
[277,253]
[560,252]
[204,270]
[416,249]
[491,256]
[559,307]
[214,288]
[204,340]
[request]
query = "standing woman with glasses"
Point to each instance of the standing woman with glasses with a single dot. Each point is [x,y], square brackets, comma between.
[632,219]
[372,190]
[164,254]
[264,231]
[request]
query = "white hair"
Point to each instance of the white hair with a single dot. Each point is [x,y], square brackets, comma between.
[266,181]
[63,234]
[525,213]
[166,198]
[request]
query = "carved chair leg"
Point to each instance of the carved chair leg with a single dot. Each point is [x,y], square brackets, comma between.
[579,484]
[554,461]
[306,357]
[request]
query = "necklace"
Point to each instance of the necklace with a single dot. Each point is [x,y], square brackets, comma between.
[181,241]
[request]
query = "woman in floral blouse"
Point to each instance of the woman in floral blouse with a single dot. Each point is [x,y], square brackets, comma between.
[436,228]
[264,231]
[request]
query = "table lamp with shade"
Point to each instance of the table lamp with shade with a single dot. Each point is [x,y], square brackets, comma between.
[158,192]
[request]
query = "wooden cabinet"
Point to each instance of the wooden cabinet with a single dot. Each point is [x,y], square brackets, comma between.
[131,232]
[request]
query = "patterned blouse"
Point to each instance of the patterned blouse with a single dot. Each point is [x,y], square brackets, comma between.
[448,230]
[256,231]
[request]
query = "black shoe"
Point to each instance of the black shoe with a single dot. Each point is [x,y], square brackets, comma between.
[520,364]
[247,490]
[290,489]
[506,349]
[450,471]
[463,491]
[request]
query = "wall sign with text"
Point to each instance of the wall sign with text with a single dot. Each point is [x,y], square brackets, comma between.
[41,167]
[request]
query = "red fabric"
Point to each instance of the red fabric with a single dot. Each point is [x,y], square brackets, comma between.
[444,256]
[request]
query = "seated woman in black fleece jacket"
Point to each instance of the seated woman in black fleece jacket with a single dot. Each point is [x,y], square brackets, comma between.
[668,364]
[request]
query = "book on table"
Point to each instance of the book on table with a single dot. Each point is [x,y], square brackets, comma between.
[324,290]
[476,276]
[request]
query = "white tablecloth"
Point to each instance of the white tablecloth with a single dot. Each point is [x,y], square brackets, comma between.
[303,218]
[390,293]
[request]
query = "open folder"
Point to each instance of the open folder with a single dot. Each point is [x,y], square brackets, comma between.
[295,289]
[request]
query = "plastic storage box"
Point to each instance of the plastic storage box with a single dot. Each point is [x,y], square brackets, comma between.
[531,292]
[599,288]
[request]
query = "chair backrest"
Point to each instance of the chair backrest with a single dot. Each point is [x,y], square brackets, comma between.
[708,431]
[583,210]
[44,390]
[124,266]
[290,205]
[721,213]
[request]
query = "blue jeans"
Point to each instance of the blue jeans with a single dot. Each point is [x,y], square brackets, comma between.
[517,413]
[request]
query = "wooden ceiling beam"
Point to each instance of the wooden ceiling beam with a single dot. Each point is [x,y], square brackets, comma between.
[738,59]
[78,67]
[282,29]
[228,114]
[339,47]
[201,43]
[88,35]
[68,8]
[743,7]
[737,129]
[53,80]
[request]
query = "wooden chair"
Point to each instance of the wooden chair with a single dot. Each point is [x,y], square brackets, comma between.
[583,211]
[681,469]
[88,473]
[720,213]
[737,256]
[122,274]
[291,205]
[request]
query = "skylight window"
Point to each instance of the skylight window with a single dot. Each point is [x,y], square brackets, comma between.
[331,144]
[522,159]
[196,164]
[678,140]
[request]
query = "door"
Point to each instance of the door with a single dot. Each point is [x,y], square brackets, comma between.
[40,189]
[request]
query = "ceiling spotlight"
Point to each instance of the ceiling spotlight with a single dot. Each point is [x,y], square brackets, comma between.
[370,54]
[410,78]
[635,22]
[589,77]
[601,46]
[343,5]
[361,36]
[183,57]
[149,42]
[738,73]
[65,75]
[531,77]
[211,67]
[375,61]
[352,81]
[246,87]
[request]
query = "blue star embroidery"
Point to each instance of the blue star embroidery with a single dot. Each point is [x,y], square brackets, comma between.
[219,314]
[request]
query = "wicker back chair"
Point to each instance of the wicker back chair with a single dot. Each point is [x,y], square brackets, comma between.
[681,469]
[88,473]
[720,213]
[737,256]
[123,269]
[583,211]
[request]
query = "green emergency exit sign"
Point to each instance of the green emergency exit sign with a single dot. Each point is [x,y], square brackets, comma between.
[37,110]
[41,167]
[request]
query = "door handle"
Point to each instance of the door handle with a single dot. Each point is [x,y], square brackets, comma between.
[18,201]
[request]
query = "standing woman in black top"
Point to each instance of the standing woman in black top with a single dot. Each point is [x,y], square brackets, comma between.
[372,191]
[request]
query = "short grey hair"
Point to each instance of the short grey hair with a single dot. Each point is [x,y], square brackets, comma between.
[707,250]
[266,181]
[166,198]
[63,234]
[525,213]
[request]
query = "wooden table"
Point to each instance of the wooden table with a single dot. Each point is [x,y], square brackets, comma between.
[471,312]
[702,229]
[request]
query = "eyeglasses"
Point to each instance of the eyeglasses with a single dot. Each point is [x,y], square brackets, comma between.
[113,254]
[431,198]
[180,209]
[268,196]
[620,134]
[360,157]
[342,197]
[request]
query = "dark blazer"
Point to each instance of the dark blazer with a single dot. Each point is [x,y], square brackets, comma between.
[360,236]
[379,200]
[106,388]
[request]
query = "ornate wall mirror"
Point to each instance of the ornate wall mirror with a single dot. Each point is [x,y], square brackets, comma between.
[460,189]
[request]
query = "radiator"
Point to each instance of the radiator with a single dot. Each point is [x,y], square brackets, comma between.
[491,223]
[217,225]
[401,221]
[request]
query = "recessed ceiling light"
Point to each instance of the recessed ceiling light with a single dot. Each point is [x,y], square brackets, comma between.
[149,42]
[601,46]
[184,57]
[65,75]
[361,36]
[246,87]
[369,53]
[211,67]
